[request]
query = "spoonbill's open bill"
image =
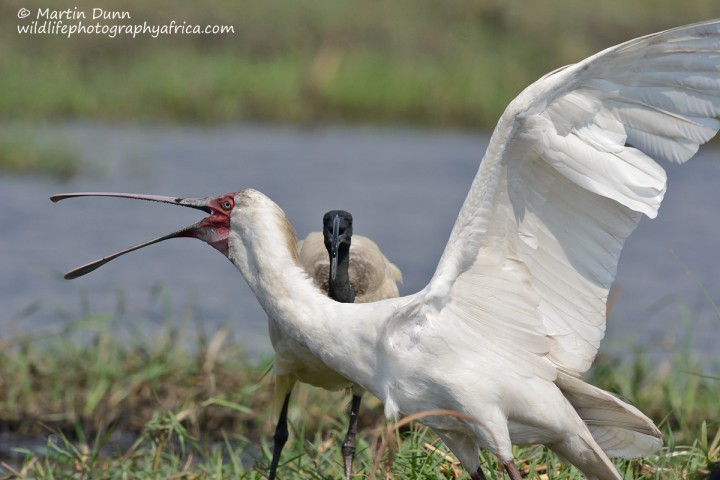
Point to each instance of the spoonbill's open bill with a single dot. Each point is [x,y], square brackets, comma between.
[515,311]
[348,269]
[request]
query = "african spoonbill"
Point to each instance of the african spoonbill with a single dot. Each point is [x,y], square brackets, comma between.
[516,309]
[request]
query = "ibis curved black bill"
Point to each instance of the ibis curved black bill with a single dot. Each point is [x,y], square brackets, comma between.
[334,243]
[212,229]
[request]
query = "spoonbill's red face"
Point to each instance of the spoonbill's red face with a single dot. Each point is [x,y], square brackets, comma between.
[213,229]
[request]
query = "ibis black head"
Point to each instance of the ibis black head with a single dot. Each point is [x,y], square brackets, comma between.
[337,234]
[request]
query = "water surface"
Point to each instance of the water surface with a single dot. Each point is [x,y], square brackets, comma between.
[404,188]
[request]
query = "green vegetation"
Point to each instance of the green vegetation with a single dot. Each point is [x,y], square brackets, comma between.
[24,152]
[453,63]
[153,409]
[450,63]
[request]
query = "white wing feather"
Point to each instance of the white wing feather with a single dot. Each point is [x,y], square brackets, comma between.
[568,172]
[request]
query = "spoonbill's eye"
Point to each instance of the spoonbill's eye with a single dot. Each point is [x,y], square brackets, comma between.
[227,205]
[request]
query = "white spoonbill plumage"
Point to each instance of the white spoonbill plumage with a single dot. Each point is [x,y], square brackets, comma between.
[515,311]
[348,268]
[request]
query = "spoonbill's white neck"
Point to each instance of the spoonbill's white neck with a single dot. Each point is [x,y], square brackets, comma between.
[263,246]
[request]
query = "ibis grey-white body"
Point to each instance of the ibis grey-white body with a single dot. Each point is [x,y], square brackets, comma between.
[515,311]
[372,275]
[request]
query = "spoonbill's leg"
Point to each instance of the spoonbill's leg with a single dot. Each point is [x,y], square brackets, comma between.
[512,469]
[509,466]
[280,437]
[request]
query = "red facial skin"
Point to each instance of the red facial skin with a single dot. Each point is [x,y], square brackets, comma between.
[215,228]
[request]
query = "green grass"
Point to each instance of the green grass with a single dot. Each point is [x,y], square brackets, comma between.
[24,152]
[202,412]
[451,63]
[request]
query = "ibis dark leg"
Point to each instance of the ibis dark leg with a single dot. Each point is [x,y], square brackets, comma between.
[280,437]
[348,446]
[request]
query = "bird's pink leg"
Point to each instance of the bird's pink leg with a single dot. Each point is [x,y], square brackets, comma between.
[509,466]
[512,469]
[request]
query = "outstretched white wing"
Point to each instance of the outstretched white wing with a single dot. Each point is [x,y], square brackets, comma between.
[568,172]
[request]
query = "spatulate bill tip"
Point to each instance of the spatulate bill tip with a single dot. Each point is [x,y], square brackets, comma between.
[85,269]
